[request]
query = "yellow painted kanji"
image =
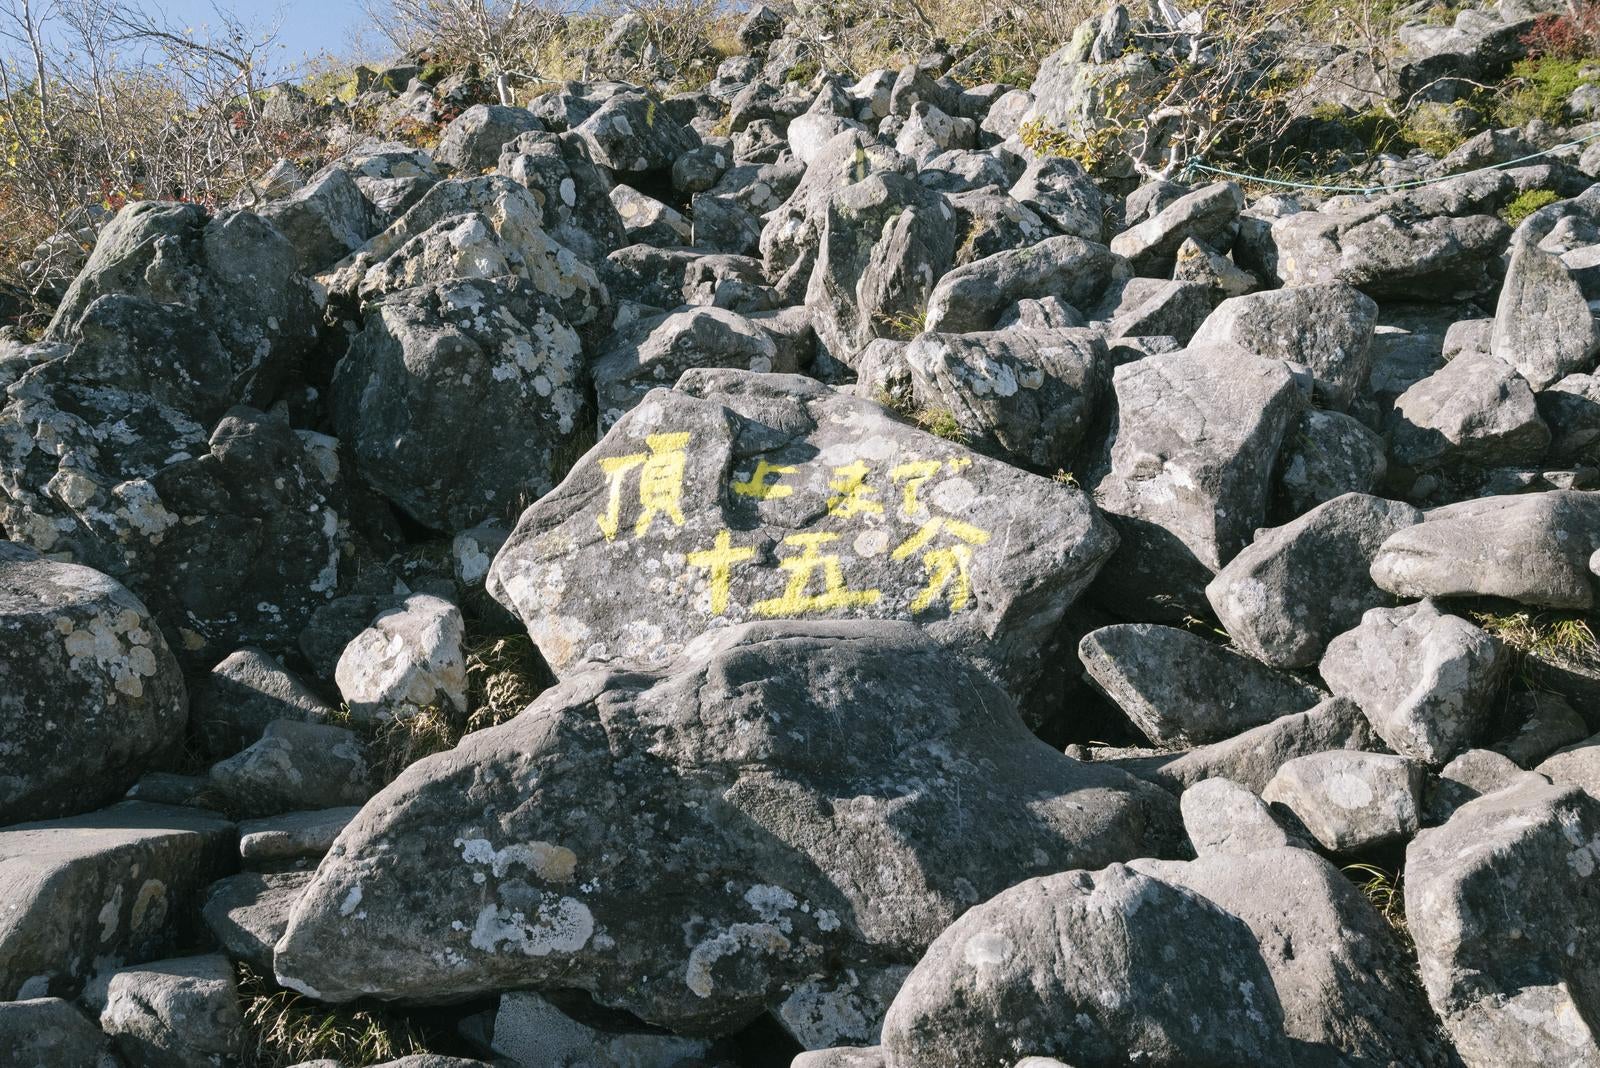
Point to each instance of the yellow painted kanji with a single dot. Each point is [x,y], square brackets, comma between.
[757,485]
[719,562]
[852,495]
[913,473]
[801,568]
[943,565]
[660,483]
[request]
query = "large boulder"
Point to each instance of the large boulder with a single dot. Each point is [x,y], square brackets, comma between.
[740,496]
[572,193]
[472,141]
[1190,470]
[50,1032]
[1203,215]
[885,241]
[231,538]
[1391,254]
[236,270]
[1345,985]
[1502,902]
[1326,329]
[972,296]
[407,662]
[89,691]
[656,351]
[1543,325]
[1475,409]
[1533,548]
[783,804]
[475,228]
[1295,587]
[180,1013]
[110,887]
[460,400]
[1098,968]
[326,220]
[633,134]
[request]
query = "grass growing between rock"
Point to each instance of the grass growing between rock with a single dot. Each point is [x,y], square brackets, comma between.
[283,1028]
[504,675]
[1386,891]
[1563,641]
[941,422]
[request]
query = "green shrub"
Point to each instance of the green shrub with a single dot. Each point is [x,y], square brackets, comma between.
[1538,89]
[1526,204]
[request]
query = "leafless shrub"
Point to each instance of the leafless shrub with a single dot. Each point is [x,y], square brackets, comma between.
[502,38]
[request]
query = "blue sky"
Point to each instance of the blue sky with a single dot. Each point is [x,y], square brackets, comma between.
[307,26]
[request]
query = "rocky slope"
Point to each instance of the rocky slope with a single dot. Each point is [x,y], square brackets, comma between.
[987,613]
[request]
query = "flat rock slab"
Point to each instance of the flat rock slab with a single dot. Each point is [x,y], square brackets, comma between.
[104,887]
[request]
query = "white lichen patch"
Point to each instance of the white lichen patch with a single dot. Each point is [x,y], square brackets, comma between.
[117,642]
[551,863]
[750,938]
[561,925]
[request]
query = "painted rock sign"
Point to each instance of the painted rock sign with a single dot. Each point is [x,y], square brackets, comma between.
[739,497]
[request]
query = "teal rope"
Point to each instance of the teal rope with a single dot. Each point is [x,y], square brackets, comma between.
[1193,165]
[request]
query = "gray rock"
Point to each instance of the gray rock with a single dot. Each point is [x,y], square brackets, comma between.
[1346,986]
[721,224]
[407,662]
[1198,262]
[1325,455]
[647,220]
[1253,757]
[480,354]
[294,766]
[472,141]
[1080,965]
[1578,764]
[1425,680]
[230,540]
[326,220]
[1294,588]
[235,269]
[991,222]
[632,134]
[1180,689]
[244,693]
[177,1013]
[884,241]
[1027,396]
[842,1057]
[656,351]
[572,193]
[1224,817]
[1475,409]
[90,694]
[1152,246]
[105,888]
[1571,409]
[1350,802]
[1543,326]
[1326,329]
[1005,116]
[51,1033]
[1387,255]
[475,228]
[772,847]
[1469,776]
[248,913]
[740,496]
[293,835]
[971,297]
[1533,548]
[1151,307]
[1545,723]
[1046,313]
[1191,462]
[534,1033]
[1058,190]
[1500,901]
